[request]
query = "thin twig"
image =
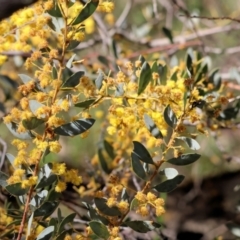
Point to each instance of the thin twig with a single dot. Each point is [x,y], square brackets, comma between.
[124,14]
[215,18]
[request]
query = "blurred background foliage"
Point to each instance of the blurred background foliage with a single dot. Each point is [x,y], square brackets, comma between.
[156,29]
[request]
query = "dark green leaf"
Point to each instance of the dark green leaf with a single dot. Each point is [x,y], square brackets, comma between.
[109,149]
[52,195]
[174,76]
[114,47]
[142,226]
[103,60]
[72,45]
[134,204]
[124,195]
[201,73]
[73,80]
[155,67]
[138,167]
[142,153]
[85,104]
[54,72]
[189,64]
[99,80]
[44,182]
[3,179]
[191,143]
[55,11]
[215,78]
[86,12]
[99,229]
[103,162]
[16,189]
[184,159]
[32,123]
[13,129]
[170,173]
[170,117]
[168,34]
[142,59]
[46,234]
[170,184]
[64,233]
[234,228]
[66,220]
[105,209]
[152,127]
[145,77]
[75,127]
[46,209]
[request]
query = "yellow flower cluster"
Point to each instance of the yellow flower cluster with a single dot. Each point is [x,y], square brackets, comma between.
[149,200]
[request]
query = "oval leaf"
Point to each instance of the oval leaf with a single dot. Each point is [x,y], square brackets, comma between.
[191,143]
[152,127]
[13,129]
[142,153]
[170,117]
[103,162]
[99,80]
[25,78]
[169,173]
[105,209]
[142,226]
[34,105]
[75,127]
[138,167]
[44,182]
[168,34]
[85,104]
[46,209]
[184,159]
[66,220]
[99,229]
[11,159]
[46,234]
[109,149]
[32,123]
[73,80]
[86,12]
[145,77]
[170,184]
[16,189]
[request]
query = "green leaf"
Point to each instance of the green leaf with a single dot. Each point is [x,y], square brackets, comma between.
[46,209]
[32,123]
[189,64]
[64,233]
[215,78]
[73,80]
[134,204]
[72,45]
[119,90]
[174,76]
[11,159]
[86,12]
[46,181]
[66,220]
[154,67]
[170,184]
[46,234]
[75,127]
[55,11]
[234,228]
[99,229]
[163,73]
[103,162]
[54,72]
[103,60]
[168,33]
[138,167]
[145,77]
[3,179]
[25,78]
[99,80]
[105,209]
[184,159]
[170,117]
[34,105]
[85,104]
[152,127]
[12,127]
[124,195]
[16,189]
[201,73]
[191,143]
[169,173]
[109,149]
[69,63]
[142,153]
[142,226]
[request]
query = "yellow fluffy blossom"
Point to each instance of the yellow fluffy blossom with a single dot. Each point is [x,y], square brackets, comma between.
[60,187]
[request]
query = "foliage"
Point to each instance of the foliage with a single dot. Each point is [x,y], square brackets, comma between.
[151,106]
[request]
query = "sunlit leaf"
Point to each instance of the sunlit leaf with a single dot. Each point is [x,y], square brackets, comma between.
[23,135]
[145,77]
[234,228]
[119,90]
[46,181]
[168,33]
[169,185]
[152,127]
[184,159]
[85,104]
[191,143]
[99,229]
[32,123]
[73,80]
[3,179]
[105,209]
[34,105]
[99,80]
[170,173]
[25,78]
[11,159]
[86,12]
[69,63]
[170,117]
[142,226]
[46,234]
[54,72]
[75,127]
[124,195]
[142,153]
[138,167]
